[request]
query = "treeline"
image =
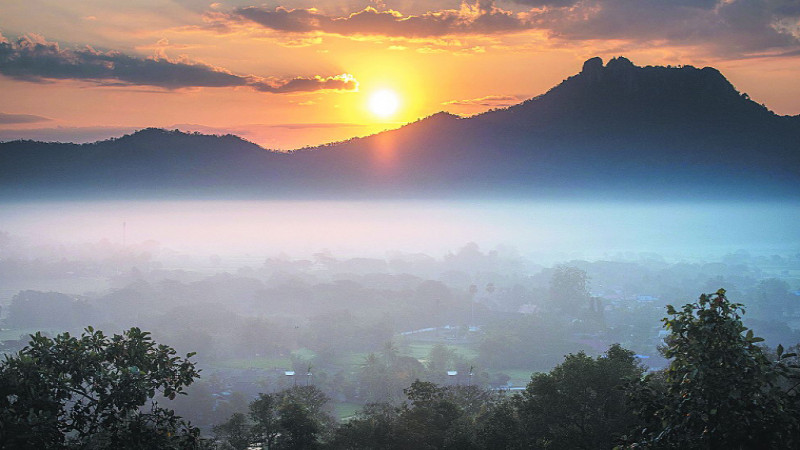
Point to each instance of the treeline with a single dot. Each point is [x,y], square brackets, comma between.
[722,389]
[349,319]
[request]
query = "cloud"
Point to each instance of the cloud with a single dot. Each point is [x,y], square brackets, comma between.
[727,26]
[479,18]
[76,135]
[491,101]
[32,58]
[344,82]
[6,118]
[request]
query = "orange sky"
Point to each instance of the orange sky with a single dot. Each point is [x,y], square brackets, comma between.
[294,73]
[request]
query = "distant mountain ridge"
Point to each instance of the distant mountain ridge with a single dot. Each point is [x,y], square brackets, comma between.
[613,131]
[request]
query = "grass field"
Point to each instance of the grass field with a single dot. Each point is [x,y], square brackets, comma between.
[255,363]
[264,362]
[344,411]
[354,361]
[519,377]
[422,350]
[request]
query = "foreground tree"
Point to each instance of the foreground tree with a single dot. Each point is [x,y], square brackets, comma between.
[295,418]
[92,392]
[237,432]
[720,390]
[433,417]
[581,403]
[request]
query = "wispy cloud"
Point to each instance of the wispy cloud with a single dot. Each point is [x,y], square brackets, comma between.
[6,118]
[34,59]
[726,27]
[344,82]
[490,101]
[479,18]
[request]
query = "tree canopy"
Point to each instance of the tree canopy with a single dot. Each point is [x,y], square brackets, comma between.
[91,391]
[720,390]
[295,418]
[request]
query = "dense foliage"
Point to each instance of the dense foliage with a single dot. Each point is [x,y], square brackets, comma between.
[295,418]
[580,404]
[92,391]
[720,390]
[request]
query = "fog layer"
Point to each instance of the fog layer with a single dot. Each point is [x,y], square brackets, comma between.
[547,231]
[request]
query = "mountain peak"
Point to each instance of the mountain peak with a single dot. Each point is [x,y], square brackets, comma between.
[592,66]
[614,128]
[620,63]
[621,94]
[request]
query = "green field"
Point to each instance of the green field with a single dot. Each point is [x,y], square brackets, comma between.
[421,351]
[267,362]
[354,361]
[519,377]
[264,362]
[344,411]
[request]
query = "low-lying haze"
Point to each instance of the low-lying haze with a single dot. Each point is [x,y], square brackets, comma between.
[545,231]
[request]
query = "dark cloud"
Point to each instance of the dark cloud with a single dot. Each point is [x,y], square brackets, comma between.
[6,118]
[78,135]
[339,83]
[32,58]
[481,17]
[730,27]
[705,4]
[282,19]
[547,3]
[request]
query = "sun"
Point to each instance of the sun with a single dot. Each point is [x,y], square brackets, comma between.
[384,103]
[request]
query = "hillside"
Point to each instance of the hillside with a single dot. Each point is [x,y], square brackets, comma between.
[613,130]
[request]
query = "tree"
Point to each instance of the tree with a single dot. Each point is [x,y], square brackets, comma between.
[236,432]
[375,426]
[580,404]
[773,299]
[500,427]
[568,289]
[428,418]
[264,414]
[434,417]
[382,377]
[92,391]
[295,418]
[720,390]
[313,401]
[34,309]
[300,429]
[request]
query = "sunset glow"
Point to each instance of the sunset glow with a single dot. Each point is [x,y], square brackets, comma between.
[384,103]
[302,73]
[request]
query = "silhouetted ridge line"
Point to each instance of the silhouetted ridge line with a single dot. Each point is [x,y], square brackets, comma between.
[611,131]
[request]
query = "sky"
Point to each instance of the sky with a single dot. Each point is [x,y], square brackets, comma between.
[294,73]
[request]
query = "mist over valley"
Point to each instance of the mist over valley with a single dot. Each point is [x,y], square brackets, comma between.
[480,270]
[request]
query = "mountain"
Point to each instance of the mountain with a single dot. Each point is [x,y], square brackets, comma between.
[150,162]
[614,130]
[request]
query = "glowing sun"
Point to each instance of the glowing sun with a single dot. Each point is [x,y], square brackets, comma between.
[384,103]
